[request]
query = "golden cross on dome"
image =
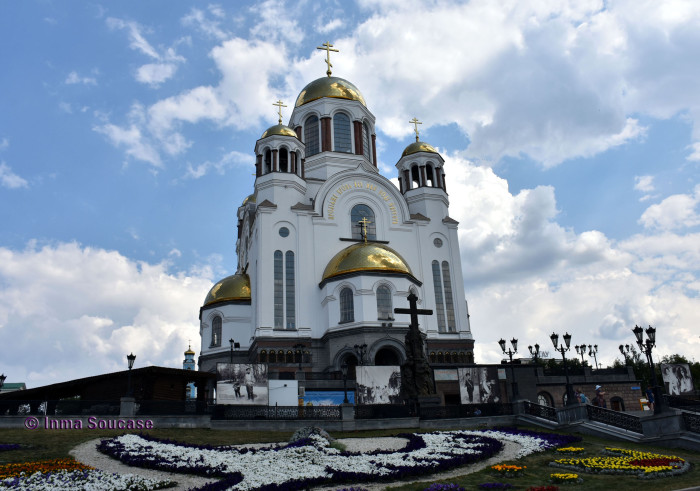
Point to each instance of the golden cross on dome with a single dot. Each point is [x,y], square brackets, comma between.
[415,123]
[328,48]
[279,105]
[364,223]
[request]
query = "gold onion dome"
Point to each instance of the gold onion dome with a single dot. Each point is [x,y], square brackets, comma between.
[189,351]
[366,256]
[336,87]
[418,146]
[279,129]
[234,287]
[249,199]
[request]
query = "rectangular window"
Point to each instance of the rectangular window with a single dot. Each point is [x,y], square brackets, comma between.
[439,306]
[449,305]
[278,298]
[289,286]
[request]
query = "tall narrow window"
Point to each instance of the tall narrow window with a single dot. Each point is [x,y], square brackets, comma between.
[430,175]
[366,151]
[439,304]
[449,305]
[358,213]
[347,307]
[289,287]
[216,331]
[268,162]
[341,133]
[284,160]
[384,303]
[277,289]
[311,136]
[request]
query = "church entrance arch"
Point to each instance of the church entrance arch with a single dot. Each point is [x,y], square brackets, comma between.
[351,361]
[387,357]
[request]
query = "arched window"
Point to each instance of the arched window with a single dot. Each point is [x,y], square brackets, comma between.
[430,175]
[347,307]
[358,213]
[289,287]
[268,162]
[415,177]
[444,304]
[441,357]
[545,399]
[273,356]
[384,303]
[277,290]
[311,136]
[366,151]
[283,290]
[341,133]
[263,356]
[216,331]
[432,357]
[290,356]
[284,160]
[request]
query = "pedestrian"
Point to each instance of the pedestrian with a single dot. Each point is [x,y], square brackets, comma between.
[599,399]
[581,396]
[249,381]
[650,398]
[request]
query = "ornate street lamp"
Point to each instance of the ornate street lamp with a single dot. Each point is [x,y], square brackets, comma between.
[593,351]
[570,398]
[581,350]
[625,350]
[646,347]
[344,369]
[534,352]
[360,351]
[300,349]
[130,360]
[510,353]
[233,345]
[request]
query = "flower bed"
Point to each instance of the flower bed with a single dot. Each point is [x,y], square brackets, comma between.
[312,462]
[565,478]
[622,461]
[66,474]
[571,450]
[8,446]
[504,470]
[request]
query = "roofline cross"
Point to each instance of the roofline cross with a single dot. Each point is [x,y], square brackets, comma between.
[328,47]
[415,123]
[279,105]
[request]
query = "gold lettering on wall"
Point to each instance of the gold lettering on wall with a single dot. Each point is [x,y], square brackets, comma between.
[360,185]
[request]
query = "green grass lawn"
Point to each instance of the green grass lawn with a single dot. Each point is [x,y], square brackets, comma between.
[51,444]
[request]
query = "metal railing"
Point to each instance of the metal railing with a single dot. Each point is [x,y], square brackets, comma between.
[235,412]
[691,404]
[72,407]
[545,412]
[691,421]
[380,411]
[172,408]
[465,411]
[615,418]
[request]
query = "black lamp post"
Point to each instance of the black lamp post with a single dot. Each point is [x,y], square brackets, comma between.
[510,353]
[300,349]
[534,352]
[360,350]
[344,369]
[646,347]
[570,398]
[130,360]
[581,350]
[233,345]
[625,350]
[593,351]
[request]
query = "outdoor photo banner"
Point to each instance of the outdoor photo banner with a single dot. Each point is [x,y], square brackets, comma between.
[378,384]
[677,378]
[241,384]
[479,385]
[326,397]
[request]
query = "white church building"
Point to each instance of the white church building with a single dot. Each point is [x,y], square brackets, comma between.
[327,248]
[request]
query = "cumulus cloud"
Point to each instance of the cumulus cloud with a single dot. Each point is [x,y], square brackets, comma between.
[644,183]
[527,275]
[674,212]
[9,179]
[76,311]
[132,137]
[231,159]
[208,22]
[155,74]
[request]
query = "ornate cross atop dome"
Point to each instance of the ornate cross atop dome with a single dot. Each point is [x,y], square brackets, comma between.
[415,123]
[327,47]
[279,105]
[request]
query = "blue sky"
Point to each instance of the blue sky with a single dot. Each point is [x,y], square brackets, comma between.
[570,131]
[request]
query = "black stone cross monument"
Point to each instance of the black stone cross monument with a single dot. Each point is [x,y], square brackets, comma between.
[417,382]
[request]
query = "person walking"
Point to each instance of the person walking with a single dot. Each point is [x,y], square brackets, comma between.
[650,398]
[599,399]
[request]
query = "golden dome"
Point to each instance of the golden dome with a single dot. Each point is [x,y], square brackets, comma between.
[249,199]
[366,256]
[279,129]
[189,351]
[235,287]
[418,146]
[329,87]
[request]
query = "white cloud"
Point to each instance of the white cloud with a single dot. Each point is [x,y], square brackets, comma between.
[9,179]
[77,311]
[231,159]
[211,27]
[674,212]
[73,78]
[695,155]
[277,21]
[134,30]
[644,183]
[329,26]
[4,144]
[131,137]
[155,74]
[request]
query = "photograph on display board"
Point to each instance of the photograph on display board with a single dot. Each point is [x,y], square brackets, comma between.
[677,378]
[326,397]
[378,384]
[479,385]
[241,384]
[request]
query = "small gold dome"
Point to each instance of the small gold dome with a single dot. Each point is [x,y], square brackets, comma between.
[235,287]
[329,87]
[366,256]
[249,199]
[418,146]
[189,351]
[279,129]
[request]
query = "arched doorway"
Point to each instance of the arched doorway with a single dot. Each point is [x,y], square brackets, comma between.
[351,360]
[387,357]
